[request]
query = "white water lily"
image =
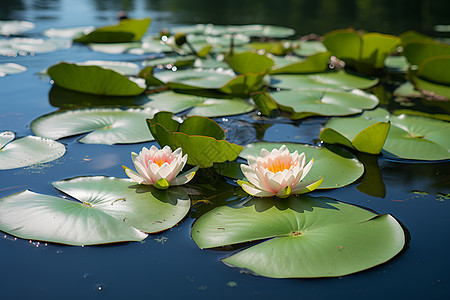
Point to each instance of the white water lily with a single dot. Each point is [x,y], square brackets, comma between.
[277,173]
[160,167]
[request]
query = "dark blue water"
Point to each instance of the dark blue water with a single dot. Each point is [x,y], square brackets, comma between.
[169,264]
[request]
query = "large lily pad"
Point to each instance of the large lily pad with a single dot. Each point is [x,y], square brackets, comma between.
[128,30]
[201,106]
[369,140]
[9,27]
[315,63]
[27,151]
[326,102]
[199,137]
[301,236]
[194,79]
[420,50]
[106,125]
[340,79]
[94,80]
[11,68]
[433,75]
[108,210]
[410,137]
[257,30]
[124,68]
[338,168]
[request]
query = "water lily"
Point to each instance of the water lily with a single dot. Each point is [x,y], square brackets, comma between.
[277,173]
[160,167]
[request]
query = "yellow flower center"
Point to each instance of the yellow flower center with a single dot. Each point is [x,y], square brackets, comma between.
[278,166]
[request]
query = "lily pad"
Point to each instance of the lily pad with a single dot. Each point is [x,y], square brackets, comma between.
[312,64]
[94,80]
[250,62]
[27,151]
[340,79]
[369,140]
[417,52]
[9,27]
[338,168]
[68,33]
[199,137]
[121,67]
[201,106]
[433,75]
[14,46]
[128,30]
[307,48]
[306,103]
[107,210]
[11,68]
[194,79]
[268,31]
[410,137]
[106,125]
[301,236]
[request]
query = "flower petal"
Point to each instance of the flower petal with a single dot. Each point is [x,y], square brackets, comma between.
[306,187]
[307,168]
[185,177]
[254,191]
[134,176]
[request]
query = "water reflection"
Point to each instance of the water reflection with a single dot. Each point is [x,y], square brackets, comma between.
[389,16]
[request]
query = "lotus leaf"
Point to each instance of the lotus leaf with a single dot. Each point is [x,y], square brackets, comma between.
[410,137]
[369,140]
[94,80]
[340,79]
[301,236]
[11,68]
[201,106]
[314,102]
[27,151]
[106,125]
[106,210]
[199,137]
[128,30]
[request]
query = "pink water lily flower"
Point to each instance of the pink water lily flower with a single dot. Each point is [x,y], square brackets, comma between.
[277,173]
[160,167]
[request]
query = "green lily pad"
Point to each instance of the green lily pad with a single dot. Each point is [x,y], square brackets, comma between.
[410,137]
[364,52]
[128,30]
[417,52]
[68,33]
[170,61]
[257,30]
[433,75]
[94,80]
[301,236]
[307,48]
[250,62]
[11,68]
[306,103]
[312,64]
[115,48]
[107,210]
[14,46]
[106,125]
[194,79]
[201,106]
[9,27]
[199,137]
[340,79]
[338,169]
[369,140]
[121,67]
[27,151]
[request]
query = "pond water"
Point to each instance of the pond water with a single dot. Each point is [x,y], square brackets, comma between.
[169,264]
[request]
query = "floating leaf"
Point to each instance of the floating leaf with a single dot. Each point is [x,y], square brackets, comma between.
[108,210]
[312,64]
[340,79]
[417,52]
[68,33]
[369,140]
[338,168]
[11,68]
[301,236]
[364,52]
[202,139]
[124,68]
[10,27]
[27,151]
[250,62]
[15,46]
[106,125]
[306,103]
[94,80]
[433,75]
[128,30]
[257,30]
[307,48]
[201,106]
[194,79]
[410,137]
